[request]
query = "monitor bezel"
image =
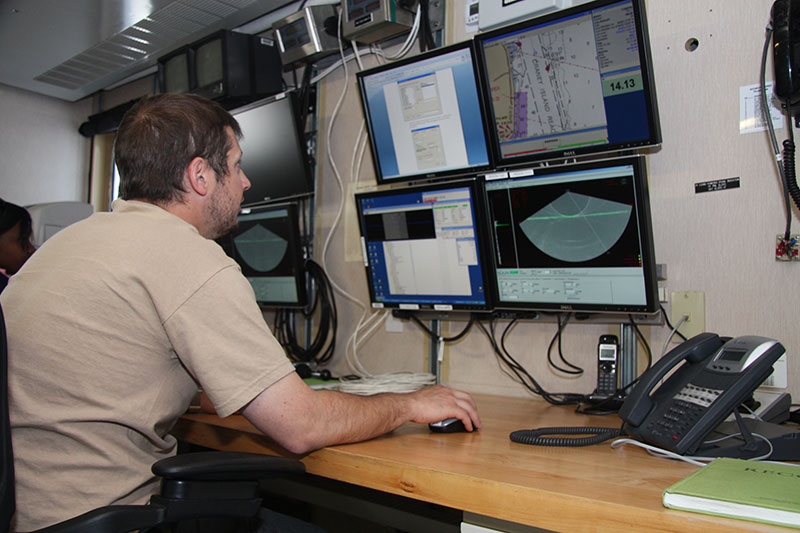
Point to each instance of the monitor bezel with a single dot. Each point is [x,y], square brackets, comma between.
[482,249]
[292,98]
[653,138]
[295,248]
[646,237]
[454,173]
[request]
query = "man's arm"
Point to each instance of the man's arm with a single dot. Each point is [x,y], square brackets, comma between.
[302,419]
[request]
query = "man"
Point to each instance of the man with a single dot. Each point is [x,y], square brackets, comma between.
[114,323]
[15,240]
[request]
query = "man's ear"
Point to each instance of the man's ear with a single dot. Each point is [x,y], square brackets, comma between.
[198,173]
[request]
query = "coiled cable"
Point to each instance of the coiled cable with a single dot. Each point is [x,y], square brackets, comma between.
[537,437]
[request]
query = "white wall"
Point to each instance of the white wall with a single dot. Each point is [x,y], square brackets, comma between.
[720,243]
[44,158]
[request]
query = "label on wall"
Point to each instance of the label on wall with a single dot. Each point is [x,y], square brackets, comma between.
[751,119]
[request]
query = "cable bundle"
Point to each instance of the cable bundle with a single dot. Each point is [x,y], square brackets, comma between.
[393,382]
[322,300]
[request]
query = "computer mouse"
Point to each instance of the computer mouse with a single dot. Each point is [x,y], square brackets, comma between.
[448,425]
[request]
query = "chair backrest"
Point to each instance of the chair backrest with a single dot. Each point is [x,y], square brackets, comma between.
[7,501]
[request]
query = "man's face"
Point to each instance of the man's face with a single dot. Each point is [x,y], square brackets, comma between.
[13,254]
[228,192]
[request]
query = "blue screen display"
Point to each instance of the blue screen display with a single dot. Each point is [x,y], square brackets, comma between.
[425,116]
[422,248]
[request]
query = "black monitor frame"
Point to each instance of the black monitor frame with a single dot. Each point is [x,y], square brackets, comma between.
[292,263]
[471,113]
[614,131]
[476,275]
[549,273]
[275,157]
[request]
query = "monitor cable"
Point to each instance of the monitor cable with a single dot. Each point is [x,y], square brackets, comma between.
[573,369]
[521,375]
[426,329]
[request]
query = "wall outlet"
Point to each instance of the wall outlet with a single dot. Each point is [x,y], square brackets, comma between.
[779,379]
[693,305]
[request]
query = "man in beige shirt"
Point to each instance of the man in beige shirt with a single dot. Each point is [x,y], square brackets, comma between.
[117,319]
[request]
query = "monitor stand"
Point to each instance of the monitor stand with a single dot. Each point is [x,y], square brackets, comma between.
[437,350]
[628,361]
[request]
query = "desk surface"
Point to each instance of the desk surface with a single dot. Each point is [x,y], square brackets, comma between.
[485,473]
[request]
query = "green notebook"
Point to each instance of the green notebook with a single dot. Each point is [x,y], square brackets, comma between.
[750,490]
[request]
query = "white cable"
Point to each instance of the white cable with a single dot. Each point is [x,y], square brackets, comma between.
[683,319]
[357,54]
[338,177]
[412,35]
[692,459]
[656,451]
[351,347]
[397,382]
[373,49]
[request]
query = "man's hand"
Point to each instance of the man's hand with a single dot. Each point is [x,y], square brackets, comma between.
[301,419]
[436,403]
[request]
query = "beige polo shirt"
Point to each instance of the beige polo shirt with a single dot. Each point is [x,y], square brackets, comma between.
[112,324]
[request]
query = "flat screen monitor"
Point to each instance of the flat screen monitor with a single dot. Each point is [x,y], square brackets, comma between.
[574,238]
[424,116]
[267,247]
[274,154]
[423,247]
[575,82]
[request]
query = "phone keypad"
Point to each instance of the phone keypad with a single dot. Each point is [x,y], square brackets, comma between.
[677,420]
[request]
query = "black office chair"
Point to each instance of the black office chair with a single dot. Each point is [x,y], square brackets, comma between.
[193,486]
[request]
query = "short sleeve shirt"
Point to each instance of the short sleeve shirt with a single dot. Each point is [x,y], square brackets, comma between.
[112,325]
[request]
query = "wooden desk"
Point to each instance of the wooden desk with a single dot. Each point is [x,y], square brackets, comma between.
[563,489]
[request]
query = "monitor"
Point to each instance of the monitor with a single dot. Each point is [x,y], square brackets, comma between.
[570,83]
[274,150]
[268,248]
[423,247]
[173,73]
[222,65]
[574,238]
[424,116]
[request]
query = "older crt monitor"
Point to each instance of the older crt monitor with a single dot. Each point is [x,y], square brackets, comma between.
[425,117]
[274,151]
[267,246]
[575,238]
[423,247]
[575,82]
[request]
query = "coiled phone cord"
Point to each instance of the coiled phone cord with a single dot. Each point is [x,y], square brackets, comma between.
[536,436]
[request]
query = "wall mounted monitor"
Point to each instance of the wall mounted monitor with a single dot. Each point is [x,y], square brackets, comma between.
[574,238]
[274,154]
[268,248]
[423,247]
[570,83]
[424,116]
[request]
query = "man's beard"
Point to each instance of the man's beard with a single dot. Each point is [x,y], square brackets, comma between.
[223,213]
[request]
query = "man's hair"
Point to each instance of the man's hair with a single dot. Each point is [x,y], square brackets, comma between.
[10,215]
[161,135]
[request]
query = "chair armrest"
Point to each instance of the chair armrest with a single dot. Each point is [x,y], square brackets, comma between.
[222,466]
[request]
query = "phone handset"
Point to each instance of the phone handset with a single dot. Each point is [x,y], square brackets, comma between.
[638,404]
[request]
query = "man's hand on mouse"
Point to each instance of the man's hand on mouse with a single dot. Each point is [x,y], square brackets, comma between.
[436,403]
